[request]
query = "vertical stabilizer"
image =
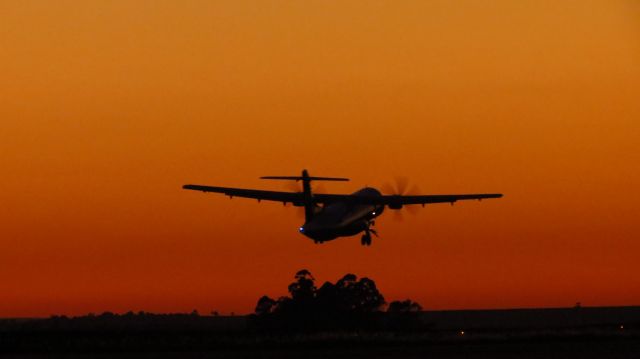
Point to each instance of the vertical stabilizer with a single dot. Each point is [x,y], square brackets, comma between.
[309,204]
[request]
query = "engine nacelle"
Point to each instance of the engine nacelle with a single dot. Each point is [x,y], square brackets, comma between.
[395,205]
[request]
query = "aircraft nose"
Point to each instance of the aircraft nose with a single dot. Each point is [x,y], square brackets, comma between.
[307,230]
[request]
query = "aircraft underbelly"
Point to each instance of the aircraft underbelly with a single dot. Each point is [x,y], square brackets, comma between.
[340,221]
[342,230]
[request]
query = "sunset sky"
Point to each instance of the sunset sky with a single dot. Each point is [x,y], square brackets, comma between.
[108,107]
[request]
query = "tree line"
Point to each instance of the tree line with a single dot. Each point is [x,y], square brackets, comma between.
[349,303]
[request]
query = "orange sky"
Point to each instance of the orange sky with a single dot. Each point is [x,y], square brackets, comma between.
[107,108]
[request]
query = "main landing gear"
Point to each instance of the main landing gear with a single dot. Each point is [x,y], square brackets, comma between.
[366,237]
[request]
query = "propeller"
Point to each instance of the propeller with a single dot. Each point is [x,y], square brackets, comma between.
[401,187]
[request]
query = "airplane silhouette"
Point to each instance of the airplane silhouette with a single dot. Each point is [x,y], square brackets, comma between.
[329,216]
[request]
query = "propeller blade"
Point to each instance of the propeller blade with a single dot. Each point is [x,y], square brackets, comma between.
[413,190]
[401,188]
[401,185]
[411,208]
[387,188]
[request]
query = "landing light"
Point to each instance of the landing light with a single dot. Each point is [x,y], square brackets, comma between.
[373,213]
[301,229]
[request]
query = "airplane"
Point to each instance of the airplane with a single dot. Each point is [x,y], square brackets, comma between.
[330,216]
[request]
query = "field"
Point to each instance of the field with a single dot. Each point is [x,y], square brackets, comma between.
[527,333]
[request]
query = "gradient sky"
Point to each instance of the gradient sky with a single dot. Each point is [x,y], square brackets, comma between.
[108,107]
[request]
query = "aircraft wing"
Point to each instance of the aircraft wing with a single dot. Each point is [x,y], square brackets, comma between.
[391,200]
[297,198]
[286,197]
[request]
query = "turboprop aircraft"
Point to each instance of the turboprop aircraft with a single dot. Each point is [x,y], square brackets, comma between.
[329,216]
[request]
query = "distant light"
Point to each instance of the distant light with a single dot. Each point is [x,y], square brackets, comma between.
[462,332]
[622,327]
[373,213]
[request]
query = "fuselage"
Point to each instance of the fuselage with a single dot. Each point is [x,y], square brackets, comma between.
[342,219]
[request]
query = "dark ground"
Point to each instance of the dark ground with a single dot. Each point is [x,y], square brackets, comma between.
[612,349]
[608,332]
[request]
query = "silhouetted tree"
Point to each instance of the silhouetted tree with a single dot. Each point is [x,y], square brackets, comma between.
[349,303]
[403,315]
[404,306]
[353,295]
[265,305]
[327,298]
[303,289]
[368,298]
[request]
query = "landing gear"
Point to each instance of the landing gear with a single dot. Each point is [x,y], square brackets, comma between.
[366,239]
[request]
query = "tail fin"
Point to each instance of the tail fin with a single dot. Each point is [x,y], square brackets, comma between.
[309,205]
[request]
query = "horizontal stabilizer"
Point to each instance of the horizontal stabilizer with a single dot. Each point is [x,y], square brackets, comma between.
[299,178]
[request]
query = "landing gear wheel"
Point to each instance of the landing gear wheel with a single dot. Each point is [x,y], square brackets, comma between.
[365,240]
